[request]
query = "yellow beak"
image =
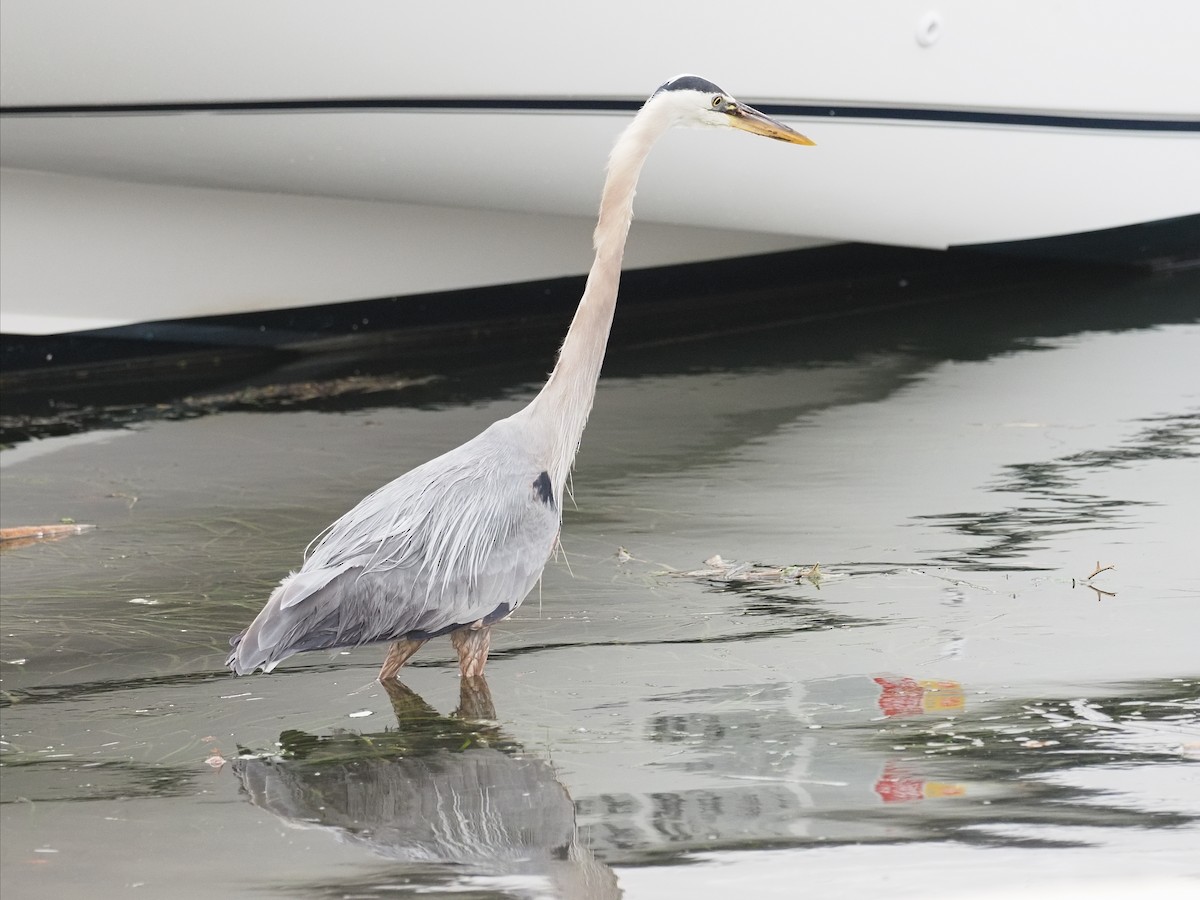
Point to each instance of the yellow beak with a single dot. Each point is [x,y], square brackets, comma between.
[747,118]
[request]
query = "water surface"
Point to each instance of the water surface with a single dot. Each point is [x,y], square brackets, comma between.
[950,703]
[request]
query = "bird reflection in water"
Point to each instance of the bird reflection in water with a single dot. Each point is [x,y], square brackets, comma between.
[437,789]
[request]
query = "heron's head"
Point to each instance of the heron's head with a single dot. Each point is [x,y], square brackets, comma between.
[697,101]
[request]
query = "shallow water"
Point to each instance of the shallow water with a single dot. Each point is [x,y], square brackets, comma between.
[948,704]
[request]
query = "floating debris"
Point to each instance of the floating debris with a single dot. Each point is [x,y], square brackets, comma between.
[719,569]
[1087,582]
[21,535]
[291,393]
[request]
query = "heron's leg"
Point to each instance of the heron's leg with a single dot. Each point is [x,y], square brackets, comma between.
[398,654]
[472,643]
[475,699]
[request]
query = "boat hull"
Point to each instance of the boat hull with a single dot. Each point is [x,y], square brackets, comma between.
[209,170]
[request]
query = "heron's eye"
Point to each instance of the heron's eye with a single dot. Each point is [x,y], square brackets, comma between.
[717,101]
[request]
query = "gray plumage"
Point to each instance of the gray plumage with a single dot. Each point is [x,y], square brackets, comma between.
[443,546]
[457,543]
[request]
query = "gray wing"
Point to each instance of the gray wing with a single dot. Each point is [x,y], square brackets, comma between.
[461,538]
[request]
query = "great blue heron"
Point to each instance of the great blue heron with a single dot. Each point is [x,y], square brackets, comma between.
[456,544]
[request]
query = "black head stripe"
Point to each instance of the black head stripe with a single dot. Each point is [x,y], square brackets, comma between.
[690,83]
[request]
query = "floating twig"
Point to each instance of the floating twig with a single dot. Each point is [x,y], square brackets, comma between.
[1087,582]
[1100,595]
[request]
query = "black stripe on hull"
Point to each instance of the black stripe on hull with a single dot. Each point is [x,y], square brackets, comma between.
[947,115]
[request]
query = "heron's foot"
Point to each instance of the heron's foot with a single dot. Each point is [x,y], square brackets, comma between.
[472,644]
[398,654]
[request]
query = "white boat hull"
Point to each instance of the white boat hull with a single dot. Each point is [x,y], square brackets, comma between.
[219,168]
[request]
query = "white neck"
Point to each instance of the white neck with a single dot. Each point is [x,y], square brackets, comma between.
[560,411]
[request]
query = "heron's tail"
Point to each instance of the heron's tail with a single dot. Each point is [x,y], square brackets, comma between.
[299,616]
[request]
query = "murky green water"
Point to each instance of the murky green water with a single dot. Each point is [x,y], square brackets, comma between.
[949,704]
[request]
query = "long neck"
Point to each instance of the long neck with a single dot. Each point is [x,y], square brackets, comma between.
[563,405]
